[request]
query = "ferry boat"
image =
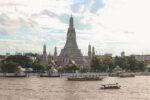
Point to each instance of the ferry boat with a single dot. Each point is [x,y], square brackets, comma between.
[111,86]
[85,78]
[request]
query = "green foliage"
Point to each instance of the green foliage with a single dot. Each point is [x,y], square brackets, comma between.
[41,68]
[70,69]
[141,66]
[122,62]
[10,67]
[130,63]
[97,65]
[61,70]
[84,70]
[47,67]
[21,60]
[37,56]
[126,63]
[38,67]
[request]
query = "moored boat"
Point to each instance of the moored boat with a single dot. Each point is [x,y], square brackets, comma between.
[111,86]
[15,75]
[123,75]
[49,75]
[85,78]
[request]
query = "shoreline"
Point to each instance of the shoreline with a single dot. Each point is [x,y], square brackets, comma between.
[70,74]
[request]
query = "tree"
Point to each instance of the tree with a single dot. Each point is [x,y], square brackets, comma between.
[122,62]
[38,67]
[23,61]
[132,63]
[47,67]
[141,66]
[10,67]
[98,65]
[84,70]
[129,63]
[70,68]
[35,55]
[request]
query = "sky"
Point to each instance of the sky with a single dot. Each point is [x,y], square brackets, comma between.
[112,26]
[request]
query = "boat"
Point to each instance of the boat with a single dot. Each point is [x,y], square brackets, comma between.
[110,86]
[113,74]
[123,75]
[85,78]
[49,75]
[15,75]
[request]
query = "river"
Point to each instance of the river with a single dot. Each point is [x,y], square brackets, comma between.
[35,88]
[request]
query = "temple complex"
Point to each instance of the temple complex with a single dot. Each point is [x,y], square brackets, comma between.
[71,50]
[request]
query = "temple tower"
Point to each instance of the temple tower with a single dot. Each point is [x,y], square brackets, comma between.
[44,56]
[55,54]
[70,50]
[89,51]
[71,36]
[93,51]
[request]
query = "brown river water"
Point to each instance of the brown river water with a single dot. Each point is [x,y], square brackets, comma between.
[34,88]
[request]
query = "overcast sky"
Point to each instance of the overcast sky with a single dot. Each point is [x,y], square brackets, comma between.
[112,26]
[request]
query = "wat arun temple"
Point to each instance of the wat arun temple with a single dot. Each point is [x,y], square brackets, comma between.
[70,52]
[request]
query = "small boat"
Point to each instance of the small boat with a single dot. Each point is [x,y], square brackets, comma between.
[111,86]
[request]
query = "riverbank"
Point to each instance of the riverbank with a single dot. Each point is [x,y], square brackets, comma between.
[70,74]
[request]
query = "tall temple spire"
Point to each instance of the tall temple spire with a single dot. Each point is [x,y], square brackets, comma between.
[44,49]
[89,50]
[55,54]
[71,22]
[71,35]
[93,51]
[70,50]
[44,58]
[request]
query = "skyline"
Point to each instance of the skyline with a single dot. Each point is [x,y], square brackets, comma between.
[112,26]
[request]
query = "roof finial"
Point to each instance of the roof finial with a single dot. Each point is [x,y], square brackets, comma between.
[71,21]
[71,14]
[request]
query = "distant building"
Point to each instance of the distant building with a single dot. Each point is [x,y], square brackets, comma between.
[18,53]
[145,58]
[122,54]
[7,54]
[106,57]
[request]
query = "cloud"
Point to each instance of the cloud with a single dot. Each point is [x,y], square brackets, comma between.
[10,25]
[80,6]
[110,25]
[10,4]
[3,32]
